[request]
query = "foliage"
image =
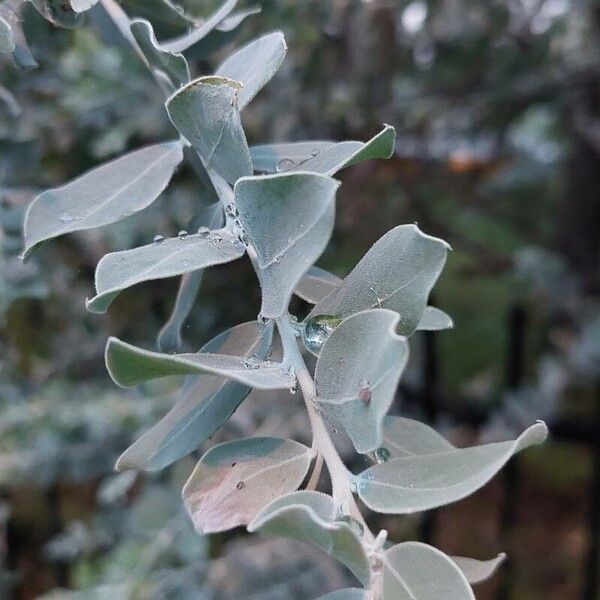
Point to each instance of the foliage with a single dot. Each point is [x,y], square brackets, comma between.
[275,204]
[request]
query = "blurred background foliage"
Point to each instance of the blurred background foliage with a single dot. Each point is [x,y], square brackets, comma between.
[497,109]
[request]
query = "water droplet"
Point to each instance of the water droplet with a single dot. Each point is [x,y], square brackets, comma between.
[243,238]
[241,485]
[262,320]
[355,525]
[382,455]
[253,362]
[285,164]
[67,217]
[183,234]
[294,388]
[233,464]
[316,331]
[231,211]
[159,239]
[217,238]
[203,231]
[314,153]
[186,263]
[364,392]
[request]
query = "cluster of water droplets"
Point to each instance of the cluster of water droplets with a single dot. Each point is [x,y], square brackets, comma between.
[317,330]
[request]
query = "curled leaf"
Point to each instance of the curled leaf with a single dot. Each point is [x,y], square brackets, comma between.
[172,64]
[206,113]
[311,517]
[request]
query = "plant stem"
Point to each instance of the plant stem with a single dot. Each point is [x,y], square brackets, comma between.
[322,443]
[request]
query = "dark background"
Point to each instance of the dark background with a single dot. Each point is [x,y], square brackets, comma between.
[497,110]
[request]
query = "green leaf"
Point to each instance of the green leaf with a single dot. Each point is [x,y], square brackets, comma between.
[478,571]
[234,481]
[254,65]
[204,405]
[206,113]
[129,365]
[7,37]
[316,285]
[434,319]
[357,373]
[415,571]
[198,33]
[407,437]
[398,273]
[347,594]
[288,220]
[173,65]
[322,156]
[420,482]
[311,517]
[107,194]
[118,271]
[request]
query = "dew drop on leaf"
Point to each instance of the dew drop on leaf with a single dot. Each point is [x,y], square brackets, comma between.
[231,211]
[182,235]
[67,217]
[253,362]
[203,231]
[159,239]
[314,153]
[316,331]
[262,320]
[382,455]
[285,164]
[241,485]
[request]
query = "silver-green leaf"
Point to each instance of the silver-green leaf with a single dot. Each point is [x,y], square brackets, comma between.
[316,284]
[234,481]
[107,194]
[172,64]
[129,365]
[434,319]
[206,113]
[288,219]
[82,5]
[420,482]
[407,437]
[416,571]
[322,156]
[311,517]
[478,571]
[204,405]
[357,373]
[183,42]
[398,273]
[163,258]
[254,65]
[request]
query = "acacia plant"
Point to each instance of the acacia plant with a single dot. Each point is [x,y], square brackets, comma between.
[275,204]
